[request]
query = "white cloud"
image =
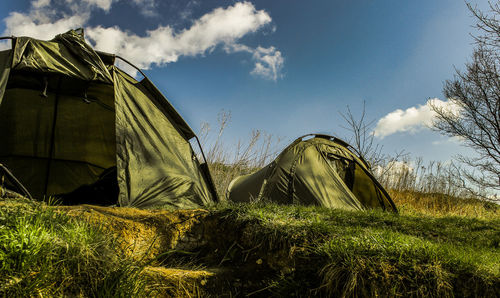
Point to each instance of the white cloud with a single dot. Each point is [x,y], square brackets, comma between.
[412,119]
[188,9]
[19,24]
[448,140]
[163,45]
[394,170]
[44,21]
[269,61]
[102,4]
[5,45]
[40,3]
[220,27]
[147,7]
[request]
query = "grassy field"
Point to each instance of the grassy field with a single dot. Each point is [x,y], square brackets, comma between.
[438,205]
[343,253]
[266,249]
[439,245]
[45,253]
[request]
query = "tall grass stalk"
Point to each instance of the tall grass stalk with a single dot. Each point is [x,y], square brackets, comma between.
[228,161]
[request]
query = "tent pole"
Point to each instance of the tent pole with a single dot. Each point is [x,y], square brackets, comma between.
[207,172]
[16,182]
[12,38]
[379,186]
[129,63]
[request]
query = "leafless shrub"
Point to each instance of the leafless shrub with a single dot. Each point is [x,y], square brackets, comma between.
[227,161]
[476,93]
[432,177]
[362,140]
[400,173]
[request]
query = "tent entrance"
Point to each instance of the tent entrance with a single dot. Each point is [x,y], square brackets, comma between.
[57,132]
[343,166]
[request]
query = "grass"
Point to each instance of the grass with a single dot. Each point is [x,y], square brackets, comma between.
[45,253]
[262,249]
[343,253]
[444,242]
[439,204]
[439,245]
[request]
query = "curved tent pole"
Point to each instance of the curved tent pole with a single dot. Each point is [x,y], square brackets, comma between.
[380,187]
[4,169]
[12,38]
[130,63]
[337,140]
[16,182]
[201,149]
[206,173]
[325,136]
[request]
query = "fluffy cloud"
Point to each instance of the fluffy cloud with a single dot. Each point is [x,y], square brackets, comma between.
[163,45]
[268,61]
[411,119]
[147,7]
[40,3]
[44,20]
[5,45]
[102,4]
[394,170]
[448,140]
[220,27]
[19,24]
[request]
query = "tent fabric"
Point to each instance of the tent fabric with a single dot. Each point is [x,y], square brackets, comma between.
[5,63]
[58,142]
[162,103]
[66,117]
[143,145]
[66,54]
[318,171]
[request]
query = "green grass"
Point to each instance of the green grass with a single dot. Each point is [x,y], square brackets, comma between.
[45,253]
[439,205]
[343,253]
[262,249]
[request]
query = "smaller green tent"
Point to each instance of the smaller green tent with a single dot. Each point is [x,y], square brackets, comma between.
[321,170]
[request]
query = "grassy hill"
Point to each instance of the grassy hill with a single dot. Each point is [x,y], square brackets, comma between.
[429,249]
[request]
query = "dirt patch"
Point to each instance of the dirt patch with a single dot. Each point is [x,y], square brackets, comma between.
[196,253]
[172,282]
[142,234]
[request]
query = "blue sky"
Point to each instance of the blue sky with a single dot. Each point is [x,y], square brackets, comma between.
[285,67]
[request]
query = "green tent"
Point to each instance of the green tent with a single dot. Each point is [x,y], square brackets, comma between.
[67,114]
[321,170]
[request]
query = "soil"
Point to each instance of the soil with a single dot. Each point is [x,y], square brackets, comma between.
[192,252]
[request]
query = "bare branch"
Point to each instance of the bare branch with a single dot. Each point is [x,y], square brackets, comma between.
[477,92]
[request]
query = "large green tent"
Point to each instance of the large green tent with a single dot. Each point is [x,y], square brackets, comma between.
[314,170]
[67,113]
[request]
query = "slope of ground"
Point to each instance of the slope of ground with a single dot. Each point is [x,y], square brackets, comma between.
[255,250]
